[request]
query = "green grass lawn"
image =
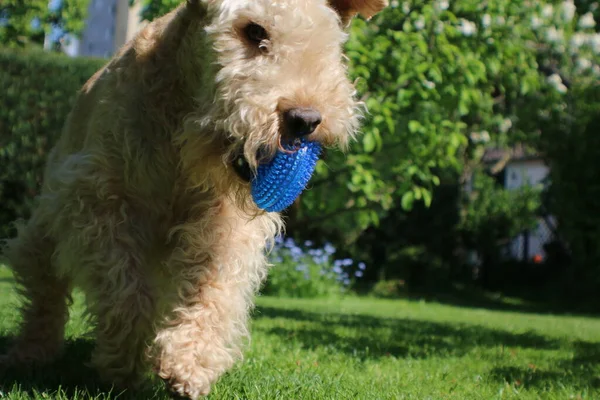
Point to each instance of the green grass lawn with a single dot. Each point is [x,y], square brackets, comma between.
[358,348]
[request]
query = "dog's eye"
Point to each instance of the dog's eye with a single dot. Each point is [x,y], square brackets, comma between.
[255,33]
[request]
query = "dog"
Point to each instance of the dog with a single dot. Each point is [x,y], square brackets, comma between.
[146,203]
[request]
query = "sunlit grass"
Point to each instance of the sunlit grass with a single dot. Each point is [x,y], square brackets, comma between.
[357,348]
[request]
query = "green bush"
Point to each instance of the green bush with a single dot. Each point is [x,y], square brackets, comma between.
[572,143]
[38,89]
[389,289]
[417,246]
[433,74]
[566,125]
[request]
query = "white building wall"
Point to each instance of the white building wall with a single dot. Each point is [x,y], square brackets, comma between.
[121,24]
[98,37]
[520,173]
[134,23]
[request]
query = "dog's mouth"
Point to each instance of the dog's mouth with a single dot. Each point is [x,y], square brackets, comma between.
[242,167]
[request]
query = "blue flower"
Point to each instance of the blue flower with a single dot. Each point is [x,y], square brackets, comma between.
[315,252]
[301,267]
[289,243]
[308,243]
[346,281]
[337,269]
[347,262]
[329,249]
[358,274]
[320,260]
[362,266]
[338,263]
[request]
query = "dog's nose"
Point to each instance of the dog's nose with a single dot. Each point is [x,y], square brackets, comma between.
[301,121]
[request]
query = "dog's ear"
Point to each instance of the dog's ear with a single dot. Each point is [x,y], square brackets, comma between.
[347,9]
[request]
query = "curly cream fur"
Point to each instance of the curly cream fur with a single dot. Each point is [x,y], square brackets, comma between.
[141,207]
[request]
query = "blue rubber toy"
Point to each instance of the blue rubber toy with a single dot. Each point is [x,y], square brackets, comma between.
[280,181]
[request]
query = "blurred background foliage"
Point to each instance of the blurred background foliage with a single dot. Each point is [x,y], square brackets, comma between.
[38,89]
[25,23]
[413,198]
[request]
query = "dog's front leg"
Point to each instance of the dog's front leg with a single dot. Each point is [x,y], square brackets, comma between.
[218,276]
[112,267]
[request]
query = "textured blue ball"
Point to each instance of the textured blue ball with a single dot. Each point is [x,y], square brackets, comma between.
[280,181]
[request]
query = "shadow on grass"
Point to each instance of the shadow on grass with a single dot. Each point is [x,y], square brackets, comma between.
[582,372]
[68,376]
[394,336]
[368,337]
[524,300]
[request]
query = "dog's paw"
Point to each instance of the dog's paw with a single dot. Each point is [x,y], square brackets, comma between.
[184,391]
